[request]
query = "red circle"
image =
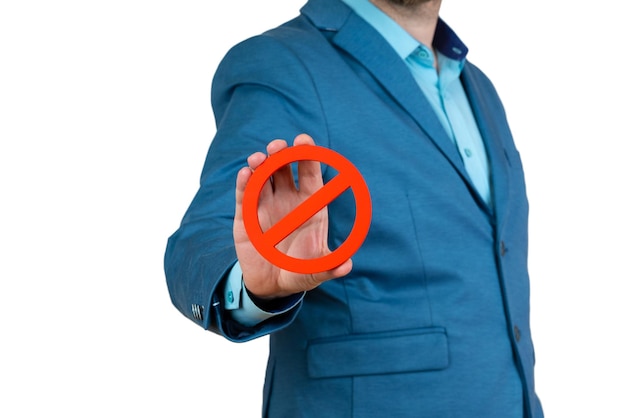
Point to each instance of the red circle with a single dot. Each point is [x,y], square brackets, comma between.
[348,177]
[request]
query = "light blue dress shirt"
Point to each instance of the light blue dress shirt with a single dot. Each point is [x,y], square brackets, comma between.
[442,87]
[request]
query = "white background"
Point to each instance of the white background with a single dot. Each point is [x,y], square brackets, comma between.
[104,124]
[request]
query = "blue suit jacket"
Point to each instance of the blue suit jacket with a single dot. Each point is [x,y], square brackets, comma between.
[433,321]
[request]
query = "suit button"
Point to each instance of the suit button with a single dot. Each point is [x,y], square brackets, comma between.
[503,248]
[517,333]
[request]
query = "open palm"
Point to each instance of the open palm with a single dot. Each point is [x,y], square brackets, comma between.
[279,197]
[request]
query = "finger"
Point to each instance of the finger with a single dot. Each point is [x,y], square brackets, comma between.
[275,146]
[256,159]
[282,179]
[303,139]
[243,176]
[309,172]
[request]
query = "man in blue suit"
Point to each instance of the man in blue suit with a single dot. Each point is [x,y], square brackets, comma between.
[430,318]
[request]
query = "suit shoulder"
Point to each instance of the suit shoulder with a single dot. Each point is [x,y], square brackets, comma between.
[283,43]
[277,59]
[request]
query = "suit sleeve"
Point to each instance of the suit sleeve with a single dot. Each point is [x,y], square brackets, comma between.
[261,91]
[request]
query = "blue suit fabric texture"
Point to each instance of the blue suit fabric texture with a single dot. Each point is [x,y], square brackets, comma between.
[433,320]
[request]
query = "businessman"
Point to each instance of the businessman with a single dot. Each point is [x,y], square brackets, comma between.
[430,317]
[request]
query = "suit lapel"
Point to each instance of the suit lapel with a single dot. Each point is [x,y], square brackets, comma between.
[492,139]
[367,46]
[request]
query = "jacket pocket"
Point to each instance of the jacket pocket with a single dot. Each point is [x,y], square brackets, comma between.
[413,350]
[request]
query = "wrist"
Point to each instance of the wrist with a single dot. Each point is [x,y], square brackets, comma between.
[274,304]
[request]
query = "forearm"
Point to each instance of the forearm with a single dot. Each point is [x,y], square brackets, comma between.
[252,105]
[248,310]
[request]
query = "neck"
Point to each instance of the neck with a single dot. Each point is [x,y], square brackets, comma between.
[418,18]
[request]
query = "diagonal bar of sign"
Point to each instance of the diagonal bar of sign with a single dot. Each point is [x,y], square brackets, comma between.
[307,209]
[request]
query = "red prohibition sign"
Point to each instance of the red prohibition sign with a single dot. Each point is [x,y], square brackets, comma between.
[348,177]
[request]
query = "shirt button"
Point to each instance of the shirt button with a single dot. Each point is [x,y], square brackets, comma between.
[468,152]
[422,54]
[231,297]
[517,333]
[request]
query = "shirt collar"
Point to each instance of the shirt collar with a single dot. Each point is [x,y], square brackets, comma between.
[445,41]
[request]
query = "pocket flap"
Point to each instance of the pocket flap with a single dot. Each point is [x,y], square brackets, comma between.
[379,353]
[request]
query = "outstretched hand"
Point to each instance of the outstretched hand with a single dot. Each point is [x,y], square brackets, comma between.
[279,197]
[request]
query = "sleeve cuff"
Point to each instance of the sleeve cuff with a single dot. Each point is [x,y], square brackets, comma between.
[242,307]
